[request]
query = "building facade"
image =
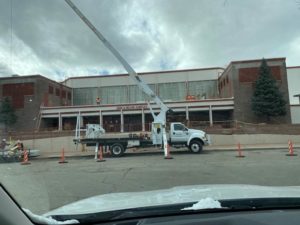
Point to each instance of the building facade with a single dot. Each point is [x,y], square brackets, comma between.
[206,96]
[28,93]
[122,106]
[238,81]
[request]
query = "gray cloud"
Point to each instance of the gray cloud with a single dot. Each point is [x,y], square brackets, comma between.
[48,38]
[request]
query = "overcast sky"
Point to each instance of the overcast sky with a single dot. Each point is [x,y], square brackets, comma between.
[46,37]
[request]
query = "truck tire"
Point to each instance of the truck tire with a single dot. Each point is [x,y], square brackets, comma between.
[195,146]
[117,150]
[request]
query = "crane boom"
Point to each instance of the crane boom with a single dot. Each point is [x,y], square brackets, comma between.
[161,117]
[159,135]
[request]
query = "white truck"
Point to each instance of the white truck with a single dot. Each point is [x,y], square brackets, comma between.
[178,136]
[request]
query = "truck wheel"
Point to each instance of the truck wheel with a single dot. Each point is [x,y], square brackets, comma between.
[117,150]
[195,146]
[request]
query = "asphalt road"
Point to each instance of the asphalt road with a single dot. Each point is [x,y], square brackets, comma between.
[45,184]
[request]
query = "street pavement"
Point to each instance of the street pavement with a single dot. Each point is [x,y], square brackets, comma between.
[45,184]
[244,147]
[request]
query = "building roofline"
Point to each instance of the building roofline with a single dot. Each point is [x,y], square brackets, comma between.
[293,67]
[250,61]
[33,76]
[21,76]
[144,73]
[258,60]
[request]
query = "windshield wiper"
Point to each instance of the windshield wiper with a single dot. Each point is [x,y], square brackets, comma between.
[176,209]
[141,212]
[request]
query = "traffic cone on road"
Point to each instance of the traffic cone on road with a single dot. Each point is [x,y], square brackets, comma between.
[100,155]
[291,149]
[62,157]
[239,150]
[168,156]
[25,159]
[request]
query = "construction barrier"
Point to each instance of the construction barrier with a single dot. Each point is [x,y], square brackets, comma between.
[168,156]
[291,149]
[239,150]
[100,155]
[25,158]
[62,157]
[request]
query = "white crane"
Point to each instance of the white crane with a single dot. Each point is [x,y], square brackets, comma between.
[159,135]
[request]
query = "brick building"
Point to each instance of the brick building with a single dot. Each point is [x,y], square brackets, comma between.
[198,96]
[238,81]
[28,93]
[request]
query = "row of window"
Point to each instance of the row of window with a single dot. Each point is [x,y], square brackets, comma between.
[223,82]
[131,94]
[60,93]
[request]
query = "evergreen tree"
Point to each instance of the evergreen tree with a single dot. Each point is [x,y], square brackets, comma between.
[267,100]
[7,114]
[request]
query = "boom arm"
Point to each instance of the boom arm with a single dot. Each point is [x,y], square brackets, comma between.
[161,117]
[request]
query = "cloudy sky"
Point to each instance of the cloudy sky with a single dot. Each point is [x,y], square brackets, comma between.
[46,37]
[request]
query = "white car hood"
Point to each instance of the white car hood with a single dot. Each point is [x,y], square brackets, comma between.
[197,131]
[182,194]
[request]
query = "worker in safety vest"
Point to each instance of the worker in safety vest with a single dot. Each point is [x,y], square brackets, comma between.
[98,100]
[19,145]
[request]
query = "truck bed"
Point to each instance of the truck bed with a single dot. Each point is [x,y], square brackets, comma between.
[110,139]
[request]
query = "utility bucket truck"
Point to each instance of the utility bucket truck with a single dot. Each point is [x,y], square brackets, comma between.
[178,135]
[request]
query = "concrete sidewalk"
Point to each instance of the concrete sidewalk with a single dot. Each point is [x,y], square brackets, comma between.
[251,147]
[90,153]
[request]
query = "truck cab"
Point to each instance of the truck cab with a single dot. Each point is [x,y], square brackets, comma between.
[180,135]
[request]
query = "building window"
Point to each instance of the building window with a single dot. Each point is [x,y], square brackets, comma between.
[227,80]
[69,96]
[50,89]
[63,94]
[57,92]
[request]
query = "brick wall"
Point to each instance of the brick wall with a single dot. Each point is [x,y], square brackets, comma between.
[28,93]
[244,75]
[53,94]
[225,84]
[251,74]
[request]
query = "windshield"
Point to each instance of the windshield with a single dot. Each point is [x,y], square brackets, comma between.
[114,105]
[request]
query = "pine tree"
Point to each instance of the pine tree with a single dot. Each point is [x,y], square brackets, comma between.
[267,100]
[7,114]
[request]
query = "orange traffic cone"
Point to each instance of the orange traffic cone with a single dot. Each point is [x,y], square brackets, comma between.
[291,149]
[240,153]
[25,159]
[62,157]
[168,156]
[100,155]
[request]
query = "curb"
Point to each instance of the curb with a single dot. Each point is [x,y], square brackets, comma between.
[250,148]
